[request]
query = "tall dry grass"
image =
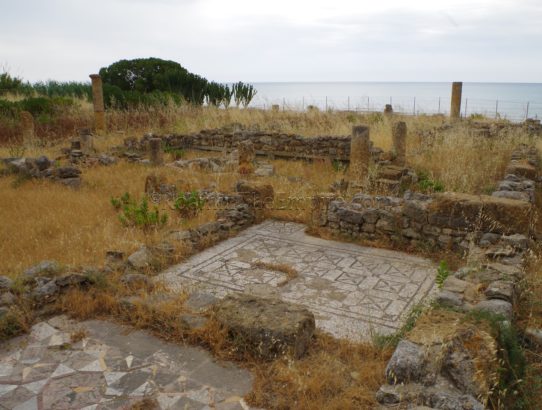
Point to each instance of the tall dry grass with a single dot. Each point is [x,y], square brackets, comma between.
[42,220]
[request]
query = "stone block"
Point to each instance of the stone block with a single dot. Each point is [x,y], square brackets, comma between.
[267,328]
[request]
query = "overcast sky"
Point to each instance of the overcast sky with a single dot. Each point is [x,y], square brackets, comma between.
[279,40]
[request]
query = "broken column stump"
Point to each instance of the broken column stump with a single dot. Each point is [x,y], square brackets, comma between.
[360,153]
[399,133]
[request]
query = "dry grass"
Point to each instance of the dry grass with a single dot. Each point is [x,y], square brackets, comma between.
[335,374]
[290,272]
[43,220]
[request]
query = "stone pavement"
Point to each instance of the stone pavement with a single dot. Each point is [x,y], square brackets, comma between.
[112,368]
[353,291]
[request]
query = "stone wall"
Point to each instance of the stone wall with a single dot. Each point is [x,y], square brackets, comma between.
[266,143]
[445,221]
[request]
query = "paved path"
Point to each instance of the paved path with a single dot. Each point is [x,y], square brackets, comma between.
[112,368]
[354,291]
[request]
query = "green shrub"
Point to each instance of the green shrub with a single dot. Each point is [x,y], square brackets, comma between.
[442,273]
[189,204]
[427,184]
[176,153]
[9,109]
[339,166]
[512,392]
[138,214]
[384,341]
[9,84]
[37,106]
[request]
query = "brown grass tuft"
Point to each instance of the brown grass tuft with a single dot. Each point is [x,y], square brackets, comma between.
[335,374]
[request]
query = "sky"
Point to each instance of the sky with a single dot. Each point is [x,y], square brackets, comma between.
[278,40]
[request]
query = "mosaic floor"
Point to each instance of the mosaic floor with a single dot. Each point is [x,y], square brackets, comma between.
[353,291]
[111,368]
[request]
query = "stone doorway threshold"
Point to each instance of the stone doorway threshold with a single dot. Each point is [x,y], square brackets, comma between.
[353,291]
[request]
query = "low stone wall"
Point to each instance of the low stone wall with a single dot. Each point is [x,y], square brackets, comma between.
[266,143]
[520,175]
[446,221]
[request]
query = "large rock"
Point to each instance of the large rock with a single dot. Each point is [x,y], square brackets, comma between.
[522,170]
[257,195]
[399,393]
[496,307]
[407,363]
[500,289]
[43,268]
[267,328]
[142,259]
[67,172]
[45,292]
[5,283]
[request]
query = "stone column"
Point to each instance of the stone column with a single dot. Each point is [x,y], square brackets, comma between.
[27,125]
[247,155]
[319,208]
[398,134]
[360,153]
[155,151]
[85,137]
[388,109]
[455,108]
[98,101]
[76,144]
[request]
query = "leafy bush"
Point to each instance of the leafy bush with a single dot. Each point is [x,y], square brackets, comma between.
[9,109]
[37,106]
[442,273]
[339,166]
[189,204]
[147,75]
[134,214]
[9,84]
[427,184]
[176,153]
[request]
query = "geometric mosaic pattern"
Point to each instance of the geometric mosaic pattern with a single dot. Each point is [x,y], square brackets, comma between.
[353,291]
[112,369]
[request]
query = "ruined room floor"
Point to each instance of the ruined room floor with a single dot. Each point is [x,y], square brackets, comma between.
[354,291]
[112,367]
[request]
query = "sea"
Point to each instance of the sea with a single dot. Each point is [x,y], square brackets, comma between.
[512,101]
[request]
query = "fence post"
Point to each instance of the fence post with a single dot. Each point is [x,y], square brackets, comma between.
[303,104]
[466,104]
[283,103]
[496,109]
[527,111]
[368,105]
[438,105]
[414,106]
[326,103]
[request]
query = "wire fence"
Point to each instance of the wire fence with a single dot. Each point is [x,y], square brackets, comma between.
[470,107]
